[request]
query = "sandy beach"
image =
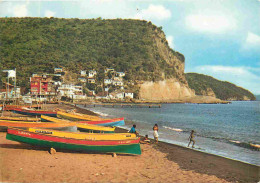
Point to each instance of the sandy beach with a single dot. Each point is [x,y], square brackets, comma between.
[160,162]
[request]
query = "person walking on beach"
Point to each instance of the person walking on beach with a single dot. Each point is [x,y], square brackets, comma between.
[132,130]
[155,132]
[191,138]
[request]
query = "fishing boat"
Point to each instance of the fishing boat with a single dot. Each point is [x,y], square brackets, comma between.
[81,126]
[77,116]
[19,118]
[4,124]
[88,136]
[106,122]
[34,112]
[44,139]
[94,120]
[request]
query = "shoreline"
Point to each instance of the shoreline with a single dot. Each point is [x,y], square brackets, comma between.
[199,165]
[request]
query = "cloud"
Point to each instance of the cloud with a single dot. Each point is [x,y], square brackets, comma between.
[170,41]
[153,12]
[241,76]
[49,13]
[20,10]
[209,23]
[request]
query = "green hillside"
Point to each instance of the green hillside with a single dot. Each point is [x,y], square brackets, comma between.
[35,45]
[222,89]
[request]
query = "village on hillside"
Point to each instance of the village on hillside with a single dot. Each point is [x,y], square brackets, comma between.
[53,87]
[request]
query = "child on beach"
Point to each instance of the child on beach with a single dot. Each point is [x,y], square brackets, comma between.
[145,140]
[191,138]
[155,132]
[132,130]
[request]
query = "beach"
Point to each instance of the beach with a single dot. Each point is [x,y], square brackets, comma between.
[162,162]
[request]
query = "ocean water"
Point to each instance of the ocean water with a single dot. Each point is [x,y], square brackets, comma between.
[229,130]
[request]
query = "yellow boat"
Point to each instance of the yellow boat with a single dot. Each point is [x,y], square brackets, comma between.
[77,116]
[19,118]
[85,136]
[81,126]
[4,124]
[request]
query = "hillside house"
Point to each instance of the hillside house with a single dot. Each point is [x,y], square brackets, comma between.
[102,95]
[109,70]
[117,83]
[83,80]
[120,74]
[83,73]
[92,73]
[128,94]
[107,81]
[91,80]
[71,91]
[40,84]
[57,70]
[116,95]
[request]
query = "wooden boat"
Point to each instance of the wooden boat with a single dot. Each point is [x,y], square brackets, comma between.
[44,139]
[19,118]
[4,124]
[106,122]
[88,136]
[12,107]
[34,113]
[77,116]
[91,119]
[81,126]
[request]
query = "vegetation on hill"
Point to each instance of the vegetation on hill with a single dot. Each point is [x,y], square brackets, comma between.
[37,45]
[222,89]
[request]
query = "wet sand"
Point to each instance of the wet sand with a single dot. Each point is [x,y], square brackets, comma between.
[160,162]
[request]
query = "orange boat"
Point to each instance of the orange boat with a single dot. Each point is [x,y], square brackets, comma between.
[4,124]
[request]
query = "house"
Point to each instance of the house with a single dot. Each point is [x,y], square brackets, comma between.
[83,80]
[120,74]
[117,83]
[71,91]
[40,84]
[107,81]
[83,73]
[91,80]
[57,70]
[109,70]
[92,73]
[116,95]
[128,94]
[102,95]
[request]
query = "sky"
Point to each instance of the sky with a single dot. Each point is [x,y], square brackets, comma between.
[219,38]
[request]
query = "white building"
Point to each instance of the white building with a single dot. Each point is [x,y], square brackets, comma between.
[83,80]
[117,83]
[71,91]
[116,95]
[120,74]
[83,73]
[92,73]
[107,81]
[129,94]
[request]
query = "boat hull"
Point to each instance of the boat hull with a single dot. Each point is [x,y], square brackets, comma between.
[109,122]
[34,113]
[120,146]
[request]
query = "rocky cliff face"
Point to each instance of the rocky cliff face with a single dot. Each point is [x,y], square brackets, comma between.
[174,88]
[169,89]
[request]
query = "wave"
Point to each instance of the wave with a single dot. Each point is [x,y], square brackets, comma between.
[251,146]
[174,129]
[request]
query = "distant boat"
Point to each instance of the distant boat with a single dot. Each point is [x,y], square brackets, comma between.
[4,124]
[81,126]
[94,120]
[34,112]
[46,139]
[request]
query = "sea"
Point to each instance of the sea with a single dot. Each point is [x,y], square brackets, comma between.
[227,130]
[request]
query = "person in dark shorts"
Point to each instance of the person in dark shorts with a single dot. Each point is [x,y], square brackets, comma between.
[191,138]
